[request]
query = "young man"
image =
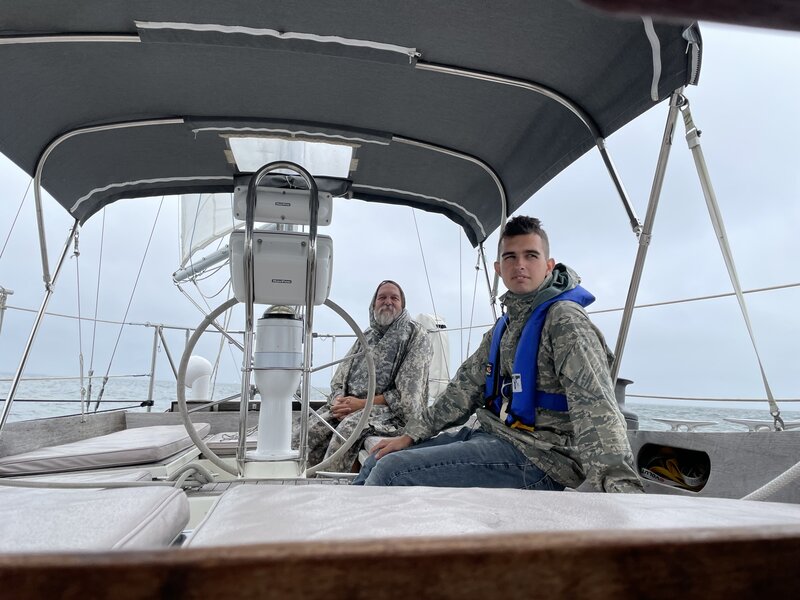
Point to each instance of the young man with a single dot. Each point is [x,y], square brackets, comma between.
[402,353]
[540,385]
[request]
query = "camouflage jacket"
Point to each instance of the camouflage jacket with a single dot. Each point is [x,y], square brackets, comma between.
[402,353]
[588,442]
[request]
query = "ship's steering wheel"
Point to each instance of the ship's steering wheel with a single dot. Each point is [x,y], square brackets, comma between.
[231,468]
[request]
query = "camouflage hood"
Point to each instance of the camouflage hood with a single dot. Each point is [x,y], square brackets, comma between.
[373,323]
[389,345]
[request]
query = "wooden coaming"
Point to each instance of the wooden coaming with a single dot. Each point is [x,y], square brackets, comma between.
[708,563]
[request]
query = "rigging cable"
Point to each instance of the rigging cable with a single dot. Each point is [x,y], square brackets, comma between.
[16,216]
[474,294]
[130,301]
[424,263]
[96,305]
[196,278]
[223,327]
[430,289]
[460,297]
[693,140]
[226,323]
[76,254]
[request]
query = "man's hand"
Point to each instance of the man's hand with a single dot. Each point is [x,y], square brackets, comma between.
[389,445]
[346,405]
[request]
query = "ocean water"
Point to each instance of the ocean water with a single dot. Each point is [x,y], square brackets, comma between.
[63,398]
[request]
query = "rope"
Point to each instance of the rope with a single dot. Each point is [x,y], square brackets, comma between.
[127,308]
[16,216]
[200,473]
[215,294]
[771,487]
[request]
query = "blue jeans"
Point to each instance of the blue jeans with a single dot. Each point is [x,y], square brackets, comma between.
[465,458]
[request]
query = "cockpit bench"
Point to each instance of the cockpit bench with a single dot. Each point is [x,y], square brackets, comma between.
[276,514]
[137,446]
[90,520]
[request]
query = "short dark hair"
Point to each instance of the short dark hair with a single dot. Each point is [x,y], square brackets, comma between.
[523,225]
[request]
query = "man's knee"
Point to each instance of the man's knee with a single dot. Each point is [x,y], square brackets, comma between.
[387,470]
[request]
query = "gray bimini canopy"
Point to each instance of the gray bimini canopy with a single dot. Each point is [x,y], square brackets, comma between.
[451,107]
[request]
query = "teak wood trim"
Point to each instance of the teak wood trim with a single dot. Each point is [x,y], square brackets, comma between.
[707,563]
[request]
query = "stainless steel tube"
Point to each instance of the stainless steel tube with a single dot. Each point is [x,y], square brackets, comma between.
[647,230]
[37,322]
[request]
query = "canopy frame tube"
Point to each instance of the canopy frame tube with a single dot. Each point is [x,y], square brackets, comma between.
[567,103]
[37,179]
[644,238]
[49,289]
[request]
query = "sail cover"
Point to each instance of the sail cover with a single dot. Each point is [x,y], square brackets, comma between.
[445,106]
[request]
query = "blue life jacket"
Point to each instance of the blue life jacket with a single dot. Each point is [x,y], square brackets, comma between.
[520,389]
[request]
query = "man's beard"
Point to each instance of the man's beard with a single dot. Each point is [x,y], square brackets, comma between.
[385,315]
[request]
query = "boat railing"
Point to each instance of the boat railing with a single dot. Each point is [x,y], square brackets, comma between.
[159,341]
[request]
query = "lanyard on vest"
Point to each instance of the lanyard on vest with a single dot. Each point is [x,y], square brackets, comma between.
[516,399]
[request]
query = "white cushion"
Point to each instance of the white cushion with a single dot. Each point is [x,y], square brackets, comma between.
[259,514]
[135,446]
[53,520]
[93,476]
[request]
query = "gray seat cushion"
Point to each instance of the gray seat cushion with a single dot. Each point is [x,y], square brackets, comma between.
[100,477]
[136,446]
[54,520]
[262,514]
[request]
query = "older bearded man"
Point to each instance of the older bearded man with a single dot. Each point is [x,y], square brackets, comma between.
[402,351]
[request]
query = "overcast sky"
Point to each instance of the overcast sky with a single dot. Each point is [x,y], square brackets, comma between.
[746,107]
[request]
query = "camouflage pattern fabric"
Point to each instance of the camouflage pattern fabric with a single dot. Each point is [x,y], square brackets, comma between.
[588,442]
[402,353]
